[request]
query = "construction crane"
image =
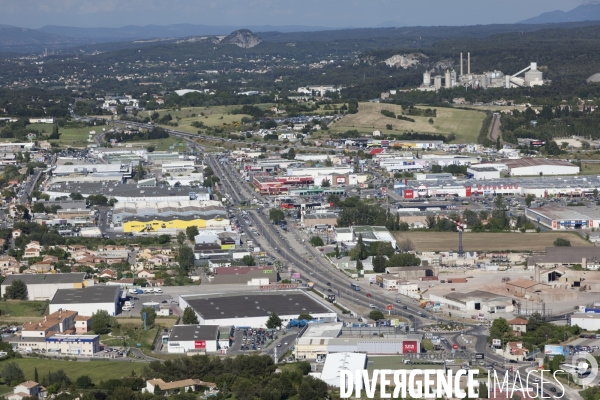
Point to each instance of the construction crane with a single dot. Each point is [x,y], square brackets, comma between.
[460,227]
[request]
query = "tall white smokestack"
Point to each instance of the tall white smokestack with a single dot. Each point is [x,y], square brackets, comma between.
[469,63]
[461,65]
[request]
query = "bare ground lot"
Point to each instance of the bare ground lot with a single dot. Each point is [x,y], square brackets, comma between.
[448,241]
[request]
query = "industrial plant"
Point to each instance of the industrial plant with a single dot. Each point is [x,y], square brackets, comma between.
[491,79]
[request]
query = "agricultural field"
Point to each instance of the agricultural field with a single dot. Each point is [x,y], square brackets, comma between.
[590,168]
[96,370]
[446,241]
[464,124]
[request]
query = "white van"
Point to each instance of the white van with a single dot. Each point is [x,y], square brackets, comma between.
[127,308]
[157,290]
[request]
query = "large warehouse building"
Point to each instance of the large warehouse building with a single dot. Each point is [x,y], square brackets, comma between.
[253,309]
[477,300]
[410,344]
[194,339]
[560,218]
[539,167]
[87,301]
[169,215]
[44,286]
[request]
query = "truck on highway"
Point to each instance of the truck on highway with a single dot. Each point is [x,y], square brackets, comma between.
[354,286]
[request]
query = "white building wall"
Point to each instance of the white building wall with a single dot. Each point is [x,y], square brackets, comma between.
[584,322]
[546,170]
[185,346]
[42,291]
[86,309]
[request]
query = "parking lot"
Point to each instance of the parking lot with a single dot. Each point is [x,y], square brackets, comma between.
[139,299]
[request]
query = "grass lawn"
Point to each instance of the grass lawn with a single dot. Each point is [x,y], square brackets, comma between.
[20,308]
[444,241]
[69,137]
[159,144]
[464,124]
[96,370]
[590,168]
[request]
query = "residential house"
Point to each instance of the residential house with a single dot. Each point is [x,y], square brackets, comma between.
[108,274]
[159,260]
[9,265]
[27,389]
[34,244]
[76,247]
[515,351]
[42,267]
[518,325]
[156,282]
[31,252]
[58,322]
[145,274]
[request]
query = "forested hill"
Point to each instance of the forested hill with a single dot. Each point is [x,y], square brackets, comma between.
[585,12]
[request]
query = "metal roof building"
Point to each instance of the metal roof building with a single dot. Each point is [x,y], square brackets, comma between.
[44,286]
[89,300]
[253,308]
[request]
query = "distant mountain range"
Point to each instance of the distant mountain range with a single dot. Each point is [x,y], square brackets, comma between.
[585,12]
[23,40]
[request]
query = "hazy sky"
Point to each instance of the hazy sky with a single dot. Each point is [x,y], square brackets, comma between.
[327,13]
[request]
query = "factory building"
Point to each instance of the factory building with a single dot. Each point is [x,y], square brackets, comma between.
[169,215]
[587,257]
[44,286]
[477,300]
[87,301]
[246,276]
[482,172]
[193,339]
[560,218]
[124,170]
[312,341]
[490,79]
[587,321]
[253,308]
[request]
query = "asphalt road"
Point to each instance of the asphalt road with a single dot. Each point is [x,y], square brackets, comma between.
[28,186]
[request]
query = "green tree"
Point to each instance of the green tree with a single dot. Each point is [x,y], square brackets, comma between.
[274,321]
[191,232]
[359,265]
[305,316]
[276,215]
[361,249]
[529,199]
[38,208]
[54,135]
[560,242]
[76,196]
[316,241]
[499,329]
[84,382]
[337,250]
[17,290]
[185,258]
[36,377]
[150,315]
[325,183]
[243,388]
[248,260]
[291,154]
[376,315]
[181,238]
[379,264]
[403,260]
[189,316]
[12,374]
[101,322]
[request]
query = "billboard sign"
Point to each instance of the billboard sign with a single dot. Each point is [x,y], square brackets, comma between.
[553,350]
[200,344]
[479,356]
[409,194]
[389,307]
[409,346]
[296,275]
[496,342]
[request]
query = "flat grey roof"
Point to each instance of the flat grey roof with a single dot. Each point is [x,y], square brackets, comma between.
[123,189]
[91,294]
[36,279]
[255,305]
[194,332]
[321,216]
[474,295]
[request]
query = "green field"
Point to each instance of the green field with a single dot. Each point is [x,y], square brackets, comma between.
[590,168]
[96,370]
[464,124]
[69,137]
[213,116]
[19,308]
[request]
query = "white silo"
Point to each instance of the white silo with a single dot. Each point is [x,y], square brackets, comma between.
[427,78]
[437,82]
[447,80]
